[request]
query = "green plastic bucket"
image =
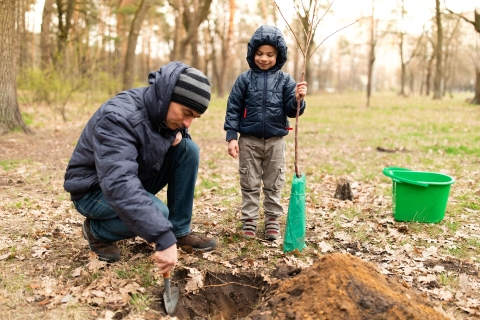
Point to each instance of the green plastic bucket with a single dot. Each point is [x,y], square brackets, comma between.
[418,195]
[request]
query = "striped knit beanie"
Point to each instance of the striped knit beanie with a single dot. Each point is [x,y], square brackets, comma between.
[192,90]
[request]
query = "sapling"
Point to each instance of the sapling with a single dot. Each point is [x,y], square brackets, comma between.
[309,31]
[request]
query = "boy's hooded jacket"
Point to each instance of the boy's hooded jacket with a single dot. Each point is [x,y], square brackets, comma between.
[123,144]
[261,101]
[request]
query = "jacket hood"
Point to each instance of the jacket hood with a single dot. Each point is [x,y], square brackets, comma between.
[267,35]
[159,94]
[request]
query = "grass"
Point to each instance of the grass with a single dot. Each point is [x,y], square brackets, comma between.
[338,137]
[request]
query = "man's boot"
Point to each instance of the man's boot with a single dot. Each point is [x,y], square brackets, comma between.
[197,242]
[106,251]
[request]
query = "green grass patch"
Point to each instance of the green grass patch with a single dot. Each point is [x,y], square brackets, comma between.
[139,270]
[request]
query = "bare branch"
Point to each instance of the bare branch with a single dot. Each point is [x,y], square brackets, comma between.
[321,18]
[299,46]
[330,36]
[458,15]
[300,18]
[312,22]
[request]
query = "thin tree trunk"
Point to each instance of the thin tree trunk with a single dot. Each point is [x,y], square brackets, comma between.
[22,35]
[194,51]
[428,79]
[175,52]
[10,116]
[128,73]
[64,24]
[226,52]
[263,6]
[402,58]
[371,55]
[45,40]
[437,81]
[476,99]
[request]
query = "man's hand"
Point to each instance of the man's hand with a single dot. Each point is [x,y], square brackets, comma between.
[300,90]
[233,148]
[177,140]
[166,259]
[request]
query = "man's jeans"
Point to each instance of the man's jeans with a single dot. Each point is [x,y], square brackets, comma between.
[179,171]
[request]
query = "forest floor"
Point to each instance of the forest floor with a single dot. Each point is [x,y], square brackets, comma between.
[359,261]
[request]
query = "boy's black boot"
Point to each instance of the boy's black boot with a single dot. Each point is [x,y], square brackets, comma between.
[106,251]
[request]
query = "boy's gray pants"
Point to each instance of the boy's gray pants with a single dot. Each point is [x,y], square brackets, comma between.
[261,160]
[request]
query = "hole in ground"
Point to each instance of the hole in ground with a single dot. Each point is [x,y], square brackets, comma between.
[224,296]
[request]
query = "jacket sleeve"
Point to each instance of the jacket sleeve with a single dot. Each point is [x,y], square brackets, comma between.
[289,100]
[115,150]
[235,107]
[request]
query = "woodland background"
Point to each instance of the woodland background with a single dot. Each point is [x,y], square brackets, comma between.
[94,46]
[398,87]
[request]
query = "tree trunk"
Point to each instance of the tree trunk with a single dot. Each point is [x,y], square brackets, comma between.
[128,72]
[437,81]
[428,78]
[371,55]
[402,58]
[192,18]
[476,99]
[65,13]
[194,50]
[45,40]
[226,55]
[175,51]
[22,34]
[10,116]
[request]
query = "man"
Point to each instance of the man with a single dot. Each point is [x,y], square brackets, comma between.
[133,146]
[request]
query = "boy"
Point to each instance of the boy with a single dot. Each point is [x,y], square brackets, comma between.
[258,106]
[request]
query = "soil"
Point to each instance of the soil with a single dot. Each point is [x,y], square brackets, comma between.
[338,286]
[342,286]
[224,296]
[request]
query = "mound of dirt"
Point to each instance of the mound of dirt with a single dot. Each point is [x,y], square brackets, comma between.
[341,286]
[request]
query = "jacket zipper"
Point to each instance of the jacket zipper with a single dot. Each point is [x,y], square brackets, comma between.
[264,105]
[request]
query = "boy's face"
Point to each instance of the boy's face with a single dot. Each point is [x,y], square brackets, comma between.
[265,57]
[179,116]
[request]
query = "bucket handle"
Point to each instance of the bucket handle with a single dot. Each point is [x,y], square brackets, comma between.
[388,173]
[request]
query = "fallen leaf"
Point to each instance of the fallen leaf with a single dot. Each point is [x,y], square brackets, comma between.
[95,265]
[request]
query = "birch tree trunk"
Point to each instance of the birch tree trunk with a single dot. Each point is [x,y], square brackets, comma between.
[10,116]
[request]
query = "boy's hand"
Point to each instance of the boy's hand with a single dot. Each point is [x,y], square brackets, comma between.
[233,148]
[300,90]
[166,259]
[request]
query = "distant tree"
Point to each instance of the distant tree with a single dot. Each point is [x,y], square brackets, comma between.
[65,9]
[371,54]
[438,79]
[46,52]
[10,116]
[451,44]
[128,71]
[190,14]
[226,52]
[405,61]
[476,25]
